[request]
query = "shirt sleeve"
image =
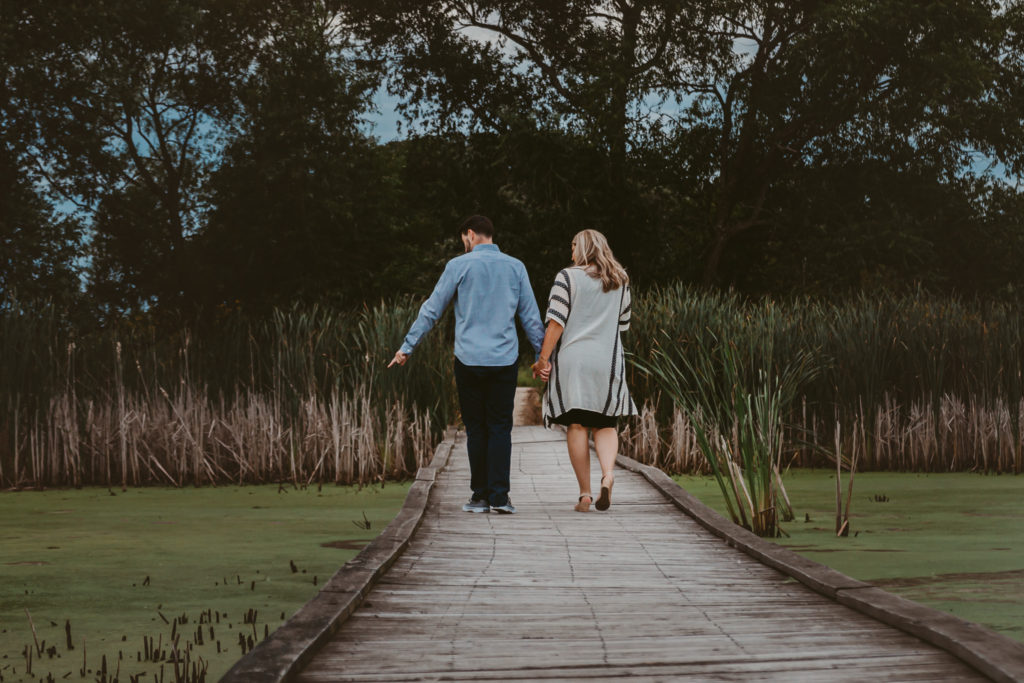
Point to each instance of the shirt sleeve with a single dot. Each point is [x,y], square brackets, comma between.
[560,299]
[432,308]
[529,315]
[625,312]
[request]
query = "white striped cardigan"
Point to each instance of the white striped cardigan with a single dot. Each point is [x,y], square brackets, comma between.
[588,370]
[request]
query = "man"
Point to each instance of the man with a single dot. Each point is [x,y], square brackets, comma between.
[490,290]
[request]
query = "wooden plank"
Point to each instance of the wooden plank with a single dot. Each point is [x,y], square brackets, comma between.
[641,591]
[905,668]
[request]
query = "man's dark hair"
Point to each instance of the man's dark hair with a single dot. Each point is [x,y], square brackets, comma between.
[481,225]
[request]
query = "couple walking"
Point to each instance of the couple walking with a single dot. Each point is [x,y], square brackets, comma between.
[579,355]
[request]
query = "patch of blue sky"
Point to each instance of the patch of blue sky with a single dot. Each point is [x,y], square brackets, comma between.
[383,121]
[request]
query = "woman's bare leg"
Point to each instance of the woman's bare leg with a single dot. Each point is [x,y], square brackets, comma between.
[579,455]
[606,443]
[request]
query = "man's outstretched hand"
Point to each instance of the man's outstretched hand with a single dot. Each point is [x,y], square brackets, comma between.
[399,359]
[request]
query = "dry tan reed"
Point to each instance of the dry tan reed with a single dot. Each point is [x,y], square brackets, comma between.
[952,435]
[301,395]
[185,439]
[673,449]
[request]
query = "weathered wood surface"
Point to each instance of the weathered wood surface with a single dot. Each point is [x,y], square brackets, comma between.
[640,591]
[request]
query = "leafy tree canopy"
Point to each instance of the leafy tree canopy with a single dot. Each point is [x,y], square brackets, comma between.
[216,158]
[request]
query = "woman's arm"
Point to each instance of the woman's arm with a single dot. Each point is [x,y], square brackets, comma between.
[542,367]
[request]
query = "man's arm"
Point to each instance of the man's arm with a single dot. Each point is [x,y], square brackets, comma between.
[429,314]
[529,315]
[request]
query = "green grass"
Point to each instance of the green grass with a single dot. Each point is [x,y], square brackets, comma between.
[954,541]
[84,556]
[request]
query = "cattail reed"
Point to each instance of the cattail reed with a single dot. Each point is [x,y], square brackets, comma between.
[919,382]
[302,395]
[955,436]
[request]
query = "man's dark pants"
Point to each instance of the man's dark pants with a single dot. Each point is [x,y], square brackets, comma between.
[486,398]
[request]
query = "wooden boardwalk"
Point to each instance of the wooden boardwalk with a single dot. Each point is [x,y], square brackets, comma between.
[640,591]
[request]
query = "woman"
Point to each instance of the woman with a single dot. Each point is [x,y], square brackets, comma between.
[582,361]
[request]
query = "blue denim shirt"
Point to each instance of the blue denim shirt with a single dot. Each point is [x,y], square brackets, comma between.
[490,290]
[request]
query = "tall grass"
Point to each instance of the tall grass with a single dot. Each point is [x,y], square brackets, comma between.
[735,393]
[300,395]
[915,382]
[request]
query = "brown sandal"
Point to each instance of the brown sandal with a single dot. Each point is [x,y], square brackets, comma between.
[604,500]
[584,506]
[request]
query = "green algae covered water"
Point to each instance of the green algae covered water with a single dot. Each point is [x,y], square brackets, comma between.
[111,580]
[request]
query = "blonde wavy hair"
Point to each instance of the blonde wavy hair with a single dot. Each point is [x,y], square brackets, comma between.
[593,253]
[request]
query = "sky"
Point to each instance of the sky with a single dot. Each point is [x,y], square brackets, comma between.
[383,123]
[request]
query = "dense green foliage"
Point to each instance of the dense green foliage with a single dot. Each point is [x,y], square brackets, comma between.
[294,351]
[202,156]
[909,347]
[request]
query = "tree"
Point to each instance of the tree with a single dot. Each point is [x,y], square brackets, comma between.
[302,198]
[824,82]
[510,66]
[748,94]
[129,98]
[37,244]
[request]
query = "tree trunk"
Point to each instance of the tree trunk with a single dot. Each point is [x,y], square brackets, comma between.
[714,257]
[622,242]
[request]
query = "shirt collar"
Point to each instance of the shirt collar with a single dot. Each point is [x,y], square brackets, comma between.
[486,247]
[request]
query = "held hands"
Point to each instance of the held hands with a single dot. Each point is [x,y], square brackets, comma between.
[542,369]
[399,359]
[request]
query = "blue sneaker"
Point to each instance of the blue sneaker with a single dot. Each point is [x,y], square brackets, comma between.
[507,509]
[475,505]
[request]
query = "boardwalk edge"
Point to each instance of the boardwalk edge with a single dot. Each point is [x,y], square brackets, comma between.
[284,652]
[997,656]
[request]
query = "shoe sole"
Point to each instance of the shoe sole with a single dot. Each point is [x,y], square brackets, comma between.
[504,512]
[476,511]
[604,501]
